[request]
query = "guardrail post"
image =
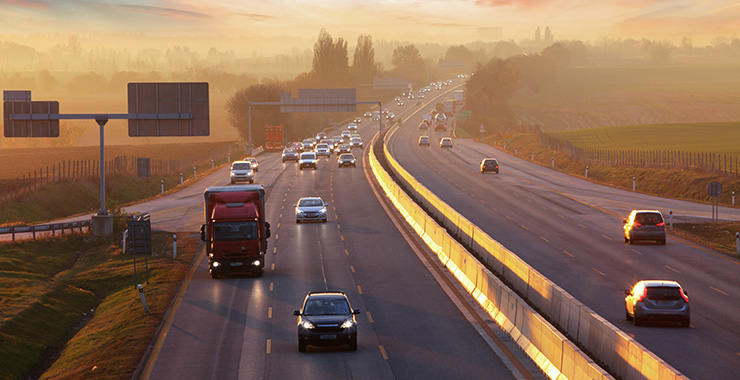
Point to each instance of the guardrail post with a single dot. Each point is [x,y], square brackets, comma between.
[586,171]
[212,164]
[553,163]
[180,178]
[174,246]
[737,243]
[229,158]
[195,173]
[161,187]
[733,198]
[633,183]
[33,232]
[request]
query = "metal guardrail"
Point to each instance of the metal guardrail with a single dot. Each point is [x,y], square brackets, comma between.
[53,228]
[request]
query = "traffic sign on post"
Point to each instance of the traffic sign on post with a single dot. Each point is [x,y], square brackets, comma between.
[25,118]
[168,109]
[320,100]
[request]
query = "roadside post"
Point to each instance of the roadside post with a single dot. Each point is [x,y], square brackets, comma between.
[143,298]
[633,183]
[180,178]
[737,243]
[174,246]
[195,173]
[714,190]
[161,187]
[552,164]
[670,215]
[586,171]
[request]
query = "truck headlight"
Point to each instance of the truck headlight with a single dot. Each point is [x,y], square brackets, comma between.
[256,263]
[216,264]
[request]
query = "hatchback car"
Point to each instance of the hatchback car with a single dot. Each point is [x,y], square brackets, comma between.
[352,126]
[644,225]
[355,143]
[489,165]
[345,134]
[337,140]
[254,162]
[423,125]
[310,208]
[657,300]
[346,159]
[423,140]
[290,154]
[326,319]
[308,144]
[241,171]
[323,150]
[446,142]
[307,160]
[320,136]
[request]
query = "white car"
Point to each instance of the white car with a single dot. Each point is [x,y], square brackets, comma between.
[323,149]
[310,208]
[355,143]
[307,160]
[352,126]
[241,171]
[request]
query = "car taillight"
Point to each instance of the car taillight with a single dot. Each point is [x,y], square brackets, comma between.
[643,295]
[685,297]
[636,224]
[661,224]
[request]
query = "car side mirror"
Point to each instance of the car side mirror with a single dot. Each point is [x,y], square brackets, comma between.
[296,312]
[686,293]
[295,205]
[267,230]
[357,311]
[628,292]
[203,232]
[326,204]
[624,222]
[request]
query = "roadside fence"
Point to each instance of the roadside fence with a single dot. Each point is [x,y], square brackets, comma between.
[74,170]
[720,164]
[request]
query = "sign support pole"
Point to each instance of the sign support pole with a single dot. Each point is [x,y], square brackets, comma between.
[102,120]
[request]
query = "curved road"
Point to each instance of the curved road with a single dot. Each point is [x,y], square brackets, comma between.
[571,231]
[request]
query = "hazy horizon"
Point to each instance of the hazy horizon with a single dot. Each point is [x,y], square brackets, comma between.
[289,24]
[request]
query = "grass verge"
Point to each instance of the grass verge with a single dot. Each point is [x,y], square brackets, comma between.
[69,309]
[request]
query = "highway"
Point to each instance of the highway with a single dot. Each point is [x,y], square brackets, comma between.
[571,231]
[243,327]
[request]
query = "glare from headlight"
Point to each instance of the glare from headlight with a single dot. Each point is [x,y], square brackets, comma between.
[256,263]
[216,264]
[307,325]
[348,324]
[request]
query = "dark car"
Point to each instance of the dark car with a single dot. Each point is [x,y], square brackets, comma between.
[657,300]
[644,225]
[346,159]
[489,165]
[326,319]
[290,154]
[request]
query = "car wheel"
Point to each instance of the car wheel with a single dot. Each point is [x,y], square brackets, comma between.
[214,275]
[353,345]
[300,168]
[297,221]
[232,182]
[630,240]
[323,221]
[627,315]
[314,168]
[686,322]
[301,347]
[636,321]
[354,165]
[626,240]
[662,242]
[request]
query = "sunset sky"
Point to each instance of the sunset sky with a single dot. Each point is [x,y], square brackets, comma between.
[446,21]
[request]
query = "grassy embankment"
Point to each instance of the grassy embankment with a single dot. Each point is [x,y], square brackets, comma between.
[69,310]
[677,184]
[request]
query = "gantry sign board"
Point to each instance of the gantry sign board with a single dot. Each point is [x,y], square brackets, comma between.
[168,109]
[25,118]
[387,83]
[320,100]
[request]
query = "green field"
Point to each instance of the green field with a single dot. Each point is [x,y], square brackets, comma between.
[721,138]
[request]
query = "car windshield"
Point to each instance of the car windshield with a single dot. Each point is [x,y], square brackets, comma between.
[490,162]
[663,293]
[289,151]
[322,146]
[310,203]
[307,156]
[648,218]
[347,157]
[326,307]
[241,166]
[228,231]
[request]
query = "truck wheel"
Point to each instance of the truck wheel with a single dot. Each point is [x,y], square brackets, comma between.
[301,346]
[214,275]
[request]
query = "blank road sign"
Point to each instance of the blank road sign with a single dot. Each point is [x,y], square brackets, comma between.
[168,109]
[320,100]
[25,118]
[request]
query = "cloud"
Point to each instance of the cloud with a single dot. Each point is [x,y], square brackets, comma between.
[160,11]
[32,4]
[257,16]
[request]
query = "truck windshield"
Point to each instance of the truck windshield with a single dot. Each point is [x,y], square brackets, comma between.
[225,231]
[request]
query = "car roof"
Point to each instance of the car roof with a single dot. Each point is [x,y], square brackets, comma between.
[331,294]
[660,283]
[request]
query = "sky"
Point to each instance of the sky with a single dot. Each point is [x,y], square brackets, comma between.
[445,21]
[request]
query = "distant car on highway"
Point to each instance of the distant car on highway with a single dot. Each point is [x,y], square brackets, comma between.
[320,136]
[358,120]
[352,126]
[644,225]
[241,171]
[308,144]
[423,125]
[446,142]
[657,300]
[290,154]
[254,162]
[307,160]
[346,159]
[355,143]
[343,148]
[310,208]
[368,114]
[346,134]
[323,149]
[326,319]
[423,140]
[489,165]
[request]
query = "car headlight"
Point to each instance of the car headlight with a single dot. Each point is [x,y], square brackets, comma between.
[322,211]
[348,324]
[306,324]
[299,212]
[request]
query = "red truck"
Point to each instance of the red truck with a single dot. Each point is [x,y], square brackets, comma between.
[235,231]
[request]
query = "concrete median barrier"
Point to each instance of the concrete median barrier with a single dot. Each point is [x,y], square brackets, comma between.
[557,356]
